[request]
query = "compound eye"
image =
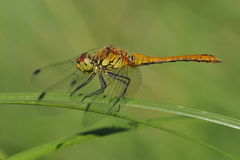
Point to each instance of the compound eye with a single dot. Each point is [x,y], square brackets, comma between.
[83,57]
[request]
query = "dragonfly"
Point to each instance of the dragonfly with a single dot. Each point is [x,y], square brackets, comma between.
[107,74]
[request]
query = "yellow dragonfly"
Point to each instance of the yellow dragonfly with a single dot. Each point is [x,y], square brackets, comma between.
[102,73]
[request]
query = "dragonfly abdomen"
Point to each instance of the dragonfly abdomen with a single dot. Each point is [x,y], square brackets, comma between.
[140,59]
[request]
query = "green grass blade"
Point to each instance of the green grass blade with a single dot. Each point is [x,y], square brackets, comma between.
[186,111]
[157,126]
[45,149]
[29,98]
[51,147]
[57,100]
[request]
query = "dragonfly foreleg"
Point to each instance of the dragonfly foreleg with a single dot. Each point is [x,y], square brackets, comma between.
[123,79]
[99,91]
[83,84]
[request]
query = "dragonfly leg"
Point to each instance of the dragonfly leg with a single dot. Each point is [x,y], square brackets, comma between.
[99,91]
[123,79]
[83,84]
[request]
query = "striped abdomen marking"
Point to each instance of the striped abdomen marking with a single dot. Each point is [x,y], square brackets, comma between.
[140,59]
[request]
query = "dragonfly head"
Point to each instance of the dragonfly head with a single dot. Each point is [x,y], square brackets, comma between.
[85,63]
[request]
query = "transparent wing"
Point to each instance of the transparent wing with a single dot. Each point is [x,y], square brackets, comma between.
[60,77]
[51,74]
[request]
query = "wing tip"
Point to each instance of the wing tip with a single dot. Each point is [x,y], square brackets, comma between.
[37,71]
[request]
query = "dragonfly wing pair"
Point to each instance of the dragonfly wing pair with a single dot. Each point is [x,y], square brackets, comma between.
[101,92]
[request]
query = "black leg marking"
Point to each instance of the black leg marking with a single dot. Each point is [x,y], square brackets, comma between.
[41,96]
[126,82]
[83,84]
[99,91]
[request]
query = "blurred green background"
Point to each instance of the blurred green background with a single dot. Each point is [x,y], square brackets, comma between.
[41,32]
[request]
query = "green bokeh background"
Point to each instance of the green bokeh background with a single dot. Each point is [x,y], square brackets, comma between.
[34,33]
